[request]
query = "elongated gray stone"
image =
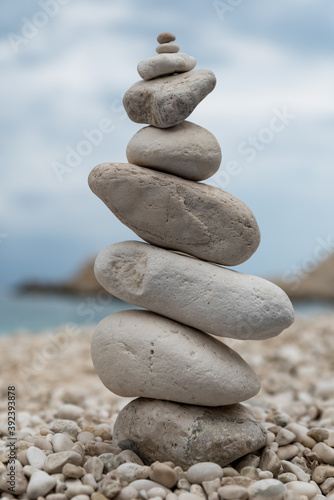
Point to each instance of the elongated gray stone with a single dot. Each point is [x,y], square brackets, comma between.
[162,430]
[211,298]
[165,64]
[139,353]
[165,210]
[186,150]
[168,100]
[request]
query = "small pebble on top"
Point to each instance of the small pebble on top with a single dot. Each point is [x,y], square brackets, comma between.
[165,37]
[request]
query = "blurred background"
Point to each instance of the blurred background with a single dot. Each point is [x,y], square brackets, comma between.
[65,65]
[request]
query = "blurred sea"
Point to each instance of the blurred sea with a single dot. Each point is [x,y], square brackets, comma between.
[38,312]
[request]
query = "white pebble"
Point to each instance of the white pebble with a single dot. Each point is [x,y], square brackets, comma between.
[156,492]
[61,442]
[287,477]
[211,486]
[85,436]
[36,457]
[128,471]
[28,470]
[147,484]
[204,471]
[267,488]
[127,493]
[295,469]
[265,474]
[302,488]
[40,484]
[285,437]
[69,412]
[326,453]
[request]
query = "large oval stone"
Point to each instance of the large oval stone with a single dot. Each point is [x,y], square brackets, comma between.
[213,299]
[186,150]
[139,353]
[165,64]
[162,431]
[175,213]
[168,100]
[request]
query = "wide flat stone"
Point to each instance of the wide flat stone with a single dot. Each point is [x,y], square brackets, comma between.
[167,211]
[161,430]
[167,48]
[186,150]
[168,100]
[213,299]
[139,353]
[165,64]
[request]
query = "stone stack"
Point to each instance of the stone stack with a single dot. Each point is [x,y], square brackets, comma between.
[189,383]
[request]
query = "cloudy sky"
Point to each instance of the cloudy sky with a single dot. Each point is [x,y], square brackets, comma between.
[65,65]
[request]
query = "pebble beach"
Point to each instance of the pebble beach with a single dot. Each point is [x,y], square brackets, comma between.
[65,419]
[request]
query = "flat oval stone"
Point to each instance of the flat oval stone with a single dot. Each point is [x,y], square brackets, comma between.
[168,100]
[185,434]
[167,211]
[165,64]
[167,48]
[139,353]
[186,150]
[165,37]
[213,299]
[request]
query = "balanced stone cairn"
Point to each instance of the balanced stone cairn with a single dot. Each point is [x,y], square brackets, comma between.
[189,383]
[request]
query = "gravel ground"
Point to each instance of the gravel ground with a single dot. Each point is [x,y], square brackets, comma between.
[65,418]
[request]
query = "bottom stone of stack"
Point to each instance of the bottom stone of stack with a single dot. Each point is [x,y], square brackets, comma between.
[159,430]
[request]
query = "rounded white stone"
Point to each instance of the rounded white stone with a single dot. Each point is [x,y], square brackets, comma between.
[204,471]
[186,150]
[167,211]
[165,64]
[138,353]
[325,452]
[69,412]
[40,484]
[210,298]
[61,442]
[267,488]
[147,484]
[167,48]
[36,457]
[301,488]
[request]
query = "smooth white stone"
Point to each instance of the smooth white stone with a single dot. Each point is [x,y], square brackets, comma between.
[40,484]
[165,64]
[138,353]
[213,299]
[186,150]
[36,457]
